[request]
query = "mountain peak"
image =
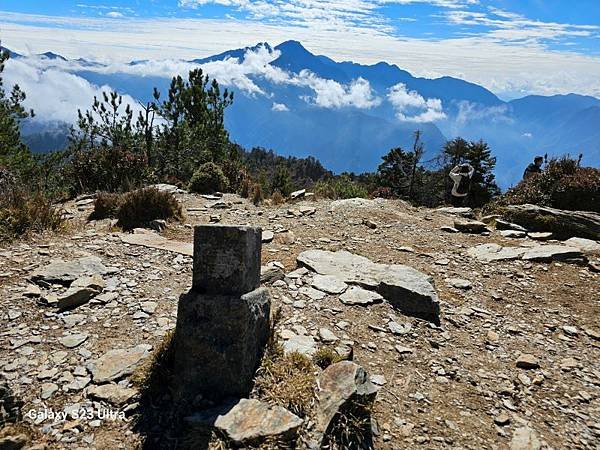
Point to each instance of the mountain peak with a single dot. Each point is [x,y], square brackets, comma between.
[293,47]
[51,55]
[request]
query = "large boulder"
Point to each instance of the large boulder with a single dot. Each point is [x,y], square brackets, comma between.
[404,287]
[562,223]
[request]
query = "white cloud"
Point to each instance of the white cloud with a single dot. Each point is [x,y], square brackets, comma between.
[469,112]
[331,94]
[54,95]
[280,107]
[114,14]
[410,106]
[507,68]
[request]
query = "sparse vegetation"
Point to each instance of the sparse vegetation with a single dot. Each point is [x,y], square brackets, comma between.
[208,179]
[139,208]
[106,206]
[326,356]
[563,184]
[341,187]
[23,211]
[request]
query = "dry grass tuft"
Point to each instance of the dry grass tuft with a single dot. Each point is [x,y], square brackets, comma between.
[326,356]
[277,198]
[285,380]
[139,208]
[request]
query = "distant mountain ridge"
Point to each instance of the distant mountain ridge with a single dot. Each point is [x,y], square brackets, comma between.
[288,118]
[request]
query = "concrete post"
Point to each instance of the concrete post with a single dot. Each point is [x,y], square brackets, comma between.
[223,321]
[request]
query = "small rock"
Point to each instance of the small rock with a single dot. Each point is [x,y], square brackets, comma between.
[112,393]
[358,296]
[527,361]
[47,390]
[502,419]
[327,335]
[267,236]
[73,340]
[459,283]
[301,344]
[470,226]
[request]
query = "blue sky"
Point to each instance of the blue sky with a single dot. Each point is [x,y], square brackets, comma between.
[512,47]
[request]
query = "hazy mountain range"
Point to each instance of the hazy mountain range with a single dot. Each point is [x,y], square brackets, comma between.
[345,114]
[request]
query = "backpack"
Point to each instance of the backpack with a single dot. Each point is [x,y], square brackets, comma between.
[464,185]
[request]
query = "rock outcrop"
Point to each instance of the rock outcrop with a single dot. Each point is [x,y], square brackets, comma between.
[562,223]
[404,287]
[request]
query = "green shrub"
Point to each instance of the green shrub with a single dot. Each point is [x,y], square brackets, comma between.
[208,178]
[23,211]
[341,187]
[106,206]
[139,208]
[563,184]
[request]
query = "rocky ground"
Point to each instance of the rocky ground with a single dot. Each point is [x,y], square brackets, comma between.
[515,360]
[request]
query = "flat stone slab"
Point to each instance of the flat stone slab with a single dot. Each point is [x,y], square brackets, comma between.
[329,284]
[495,252]
[359,296]
[111,393]
[65,272]
[311,293]
[301,344]
[404,287]
[585,245]
[550,252]
[152,240]
[117,363]
[73,340]
[251,421]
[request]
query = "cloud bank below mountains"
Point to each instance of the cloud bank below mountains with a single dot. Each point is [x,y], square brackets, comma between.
[55,90]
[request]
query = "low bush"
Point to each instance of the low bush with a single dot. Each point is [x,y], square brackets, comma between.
[277,198]
[341,187]
[139,208]
[563,184]
[382,192]
[106,206]
[23,211]
[208,178]
[256,194]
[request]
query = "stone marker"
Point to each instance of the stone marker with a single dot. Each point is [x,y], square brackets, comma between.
[223,321]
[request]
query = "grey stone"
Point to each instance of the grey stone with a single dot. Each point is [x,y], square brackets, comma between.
[218,342]
[327,335]
[65,272]
[252,421]
[81,291]
[564,224]
[504,225]
[339,386]
[456,211]
[329,284]
[47,390]
[495,252]
[470,226]
[73,340]
[267,236]
[525,438]
[404,287]
[149,307]
[271,273]
[112,393]
[301,344]
[311,293]
[550,252]
[298,194]
[399,329]
[459,283]
[226,259]
[358,296]
[585,245]
[117,363]
[448,229]
[540,235]
[513,234]
[151,239]
[527,361]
